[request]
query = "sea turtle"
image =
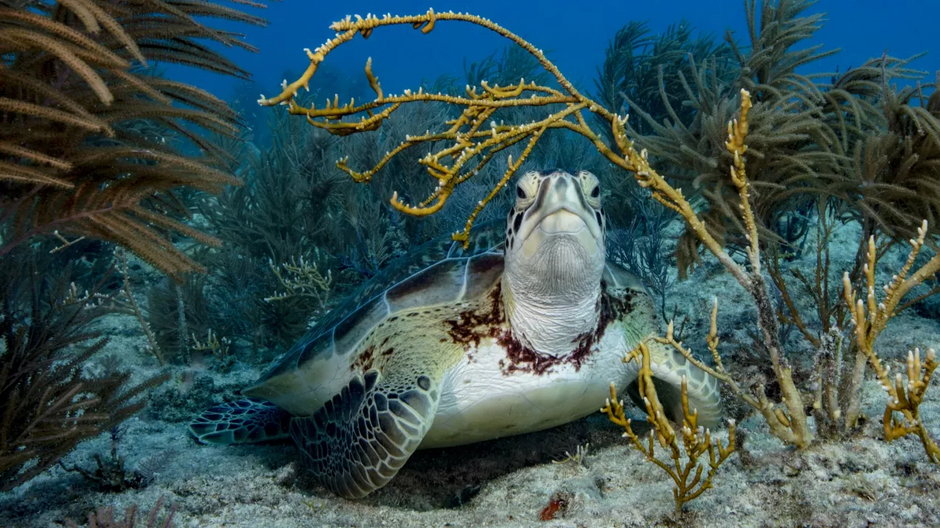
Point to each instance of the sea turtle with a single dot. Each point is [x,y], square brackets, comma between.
[514,339]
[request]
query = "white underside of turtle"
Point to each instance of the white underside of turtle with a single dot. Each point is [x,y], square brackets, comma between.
[480,400]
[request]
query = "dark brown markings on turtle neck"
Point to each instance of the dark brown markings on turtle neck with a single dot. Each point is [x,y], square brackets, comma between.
[520,358]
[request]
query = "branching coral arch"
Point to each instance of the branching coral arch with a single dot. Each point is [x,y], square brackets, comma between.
[472,139]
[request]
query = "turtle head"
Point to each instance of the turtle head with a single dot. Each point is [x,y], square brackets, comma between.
[554,250]
[556,224]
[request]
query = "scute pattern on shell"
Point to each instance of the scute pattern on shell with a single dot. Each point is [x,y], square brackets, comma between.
[408,282]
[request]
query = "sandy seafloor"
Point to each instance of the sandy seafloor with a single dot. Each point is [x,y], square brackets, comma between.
[860,482]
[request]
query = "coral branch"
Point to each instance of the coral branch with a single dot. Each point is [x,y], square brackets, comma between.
[870,317]
[472,139]
[684,466]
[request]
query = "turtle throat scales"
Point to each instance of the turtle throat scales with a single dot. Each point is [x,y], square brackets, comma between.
[555,252]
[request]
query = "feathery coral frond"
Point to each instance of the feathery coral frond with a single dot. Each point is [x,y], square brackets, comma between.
[71,156]
[47,403]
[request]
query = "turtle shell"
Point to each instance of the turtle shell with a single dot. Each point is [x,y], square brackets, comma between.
[438,272]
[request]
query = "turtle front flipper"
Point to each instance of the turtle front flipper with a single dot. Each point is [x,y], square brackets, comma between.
[669,367]
[244,421]
[359,440]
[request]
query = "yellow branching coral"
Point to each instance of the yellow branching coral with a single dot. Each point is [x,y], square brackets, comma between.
[780,422]
[685,449]
[472,138]
[787,419]
[870,316]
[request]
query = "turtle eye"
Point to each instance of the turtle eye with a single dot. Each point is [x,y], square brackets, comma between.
[526,189]
[591,188]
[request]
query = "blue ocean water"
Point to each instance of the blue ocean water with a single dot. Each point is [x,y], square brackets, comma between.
[574,35]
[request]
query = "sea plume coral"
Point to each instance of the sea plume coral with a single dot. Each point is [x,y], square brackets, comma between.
[48,402]
[78,109]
